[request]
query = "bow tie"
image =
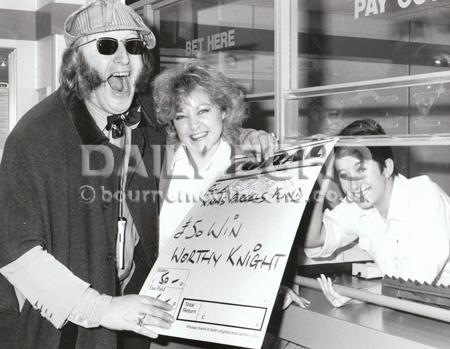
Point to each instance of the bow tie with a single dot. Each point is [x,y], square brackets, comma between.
[117,122]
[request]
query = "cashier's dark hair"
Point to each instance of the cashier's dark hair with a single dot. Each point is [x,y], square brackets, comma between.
[171,88]
[366,127]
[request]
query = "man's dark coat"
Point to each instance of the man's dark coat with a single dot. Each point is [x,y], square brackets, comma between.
[42,202]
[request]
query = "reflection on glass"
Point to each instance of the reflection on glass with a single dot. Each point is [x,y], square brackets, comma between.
[234,36]
[323,118]
[335,47]
[424,98]
[328,114]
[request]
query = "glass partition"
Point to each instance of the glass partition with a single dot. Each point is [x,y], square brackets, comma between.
[350,40]
[412,110]
[236,36]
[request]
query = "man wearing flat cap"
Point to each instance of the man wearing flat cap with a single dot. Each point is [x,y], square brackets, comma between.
[75,247]
[59,242]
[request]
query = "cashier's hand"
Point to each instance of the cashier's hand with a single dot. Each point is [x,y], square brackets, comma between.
[292,296]
[335,298]
[258,143]
[135,313]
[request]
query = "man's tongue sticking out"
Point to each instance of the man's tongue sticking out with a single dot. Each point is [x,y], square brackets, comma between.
[119,84]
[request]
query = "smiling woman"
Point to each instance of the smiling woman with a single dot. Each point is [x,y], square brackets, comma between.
[203,111]
[198,123]
[171,88]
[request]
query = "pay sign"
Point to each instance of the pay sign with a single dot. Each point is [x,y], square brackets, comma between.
[374,7]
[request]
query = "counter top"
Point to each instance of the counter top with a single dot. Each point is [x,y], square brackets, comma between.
[359,325]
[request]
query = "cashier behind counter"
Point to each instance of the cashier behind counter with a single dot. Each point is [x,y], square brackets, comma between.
[404,224]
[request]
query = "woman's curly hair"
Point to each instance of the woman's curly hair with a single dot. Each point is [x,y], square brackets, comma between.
[173,85]
[76,74]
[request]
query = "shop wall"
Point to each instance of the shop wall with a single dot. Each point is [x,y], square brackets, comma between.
[33,5]
[36,35]
[59,45]
[4,116]
[22,5]
[26,73]
[45,67]
[50,50]
[49,33]
[41,3]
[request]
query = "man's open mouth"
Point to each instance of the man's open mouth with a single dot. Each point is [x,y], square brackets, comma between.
[119,82]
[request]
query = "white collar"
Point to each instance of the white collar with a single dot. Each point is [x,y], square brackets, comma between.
[222,154]
[398,204]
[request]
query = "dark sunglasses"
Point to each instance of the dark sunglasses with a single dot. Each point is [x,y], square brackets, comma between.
[108,46]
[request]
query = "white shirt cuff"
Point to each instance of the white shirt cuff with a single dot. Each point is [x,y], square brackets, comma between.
[50,287]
